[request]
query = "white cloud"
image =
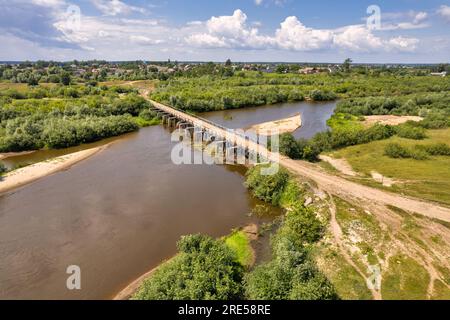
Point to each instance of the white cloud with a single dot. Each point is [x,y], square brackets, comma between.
[403,44]
[206,41]
[407,20]
[48,3]
[357,38]
[145,40]
[228,31]
[115,38]
[444,12]
[232,26]
[233,32]
[419,17]
[113,7]
[293,35]
[258,2]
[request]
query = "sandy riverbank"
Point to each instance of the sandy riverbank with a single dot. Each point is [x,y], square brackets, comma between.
[25,175]
[285,125]
[389,120]
[132,288]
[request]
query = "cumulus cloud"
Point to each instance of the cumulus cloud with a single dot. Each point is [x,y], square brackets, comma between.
[357,38]
[229,31]
[112,36]
[293,35]
[233,32]
[444,12]
[403,44]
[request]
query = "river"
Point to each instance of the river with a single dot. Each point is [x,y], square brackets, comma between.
[119,213]
[314,116]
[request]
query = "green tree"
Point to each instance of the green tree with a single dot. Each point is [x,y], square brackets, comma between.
[347,64]
[289,147]
[65,78]
[204,269]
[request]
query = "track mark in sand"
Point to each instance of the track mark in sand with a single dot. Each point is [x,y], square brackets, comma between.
[337,234]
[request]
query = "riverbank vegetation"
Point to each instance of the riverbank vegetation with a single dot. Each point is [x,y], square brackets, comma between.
[56,119]
[204,269]
[239,242]
[244,89]
[291,273]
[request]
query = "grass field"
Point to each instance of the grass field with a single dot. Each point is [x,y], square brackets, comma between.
[405,280]
[427,179]
[349,284]
[344,122]
[240,244]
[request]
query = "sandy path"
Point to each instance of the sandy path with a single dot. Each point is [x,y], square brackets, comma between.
[337,234]
[281,126]
[339,164]
[38,170]
[389,119]
[351,190]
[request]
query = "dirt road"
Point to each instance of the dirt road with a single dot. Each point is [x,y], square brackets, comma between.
[351,190]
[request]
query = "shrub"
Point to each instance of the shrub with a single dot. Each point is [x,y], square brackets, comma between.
[437,149]
[304,225]
[267,188]
[319,95]
[289,147]
[435,121]
[410,132]
[418,154]
[395,150]
[204,269]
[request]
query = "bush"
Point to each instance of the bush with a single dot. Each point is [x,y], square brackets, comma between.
[395,150]
[319,95]
[435,121]
[204,269]
[291,274]
[304,225]
[410,132]
[267,188]
[289,147]
[437,149]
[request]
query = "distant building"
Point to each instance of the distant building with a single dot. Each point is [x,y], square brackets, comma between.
[439,74]
[308,71]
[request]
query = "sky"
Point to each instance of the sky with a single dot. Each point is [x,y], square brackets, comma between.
[376,31]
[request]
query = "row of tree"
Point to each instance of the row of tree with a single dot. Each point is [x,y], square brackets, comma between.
[61,124]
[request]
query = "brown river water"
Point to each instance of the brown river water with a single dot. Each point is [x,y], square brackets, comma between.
[116,215]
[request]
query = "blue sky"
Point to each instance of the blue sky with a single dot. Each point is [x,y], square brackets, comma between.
[248,30]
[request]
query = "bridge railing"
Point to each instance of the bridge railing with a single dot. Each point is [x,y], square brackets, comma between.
[211,123]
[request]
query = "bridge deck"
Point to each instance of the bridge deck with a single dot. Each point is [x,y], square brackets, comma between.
[220,131]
